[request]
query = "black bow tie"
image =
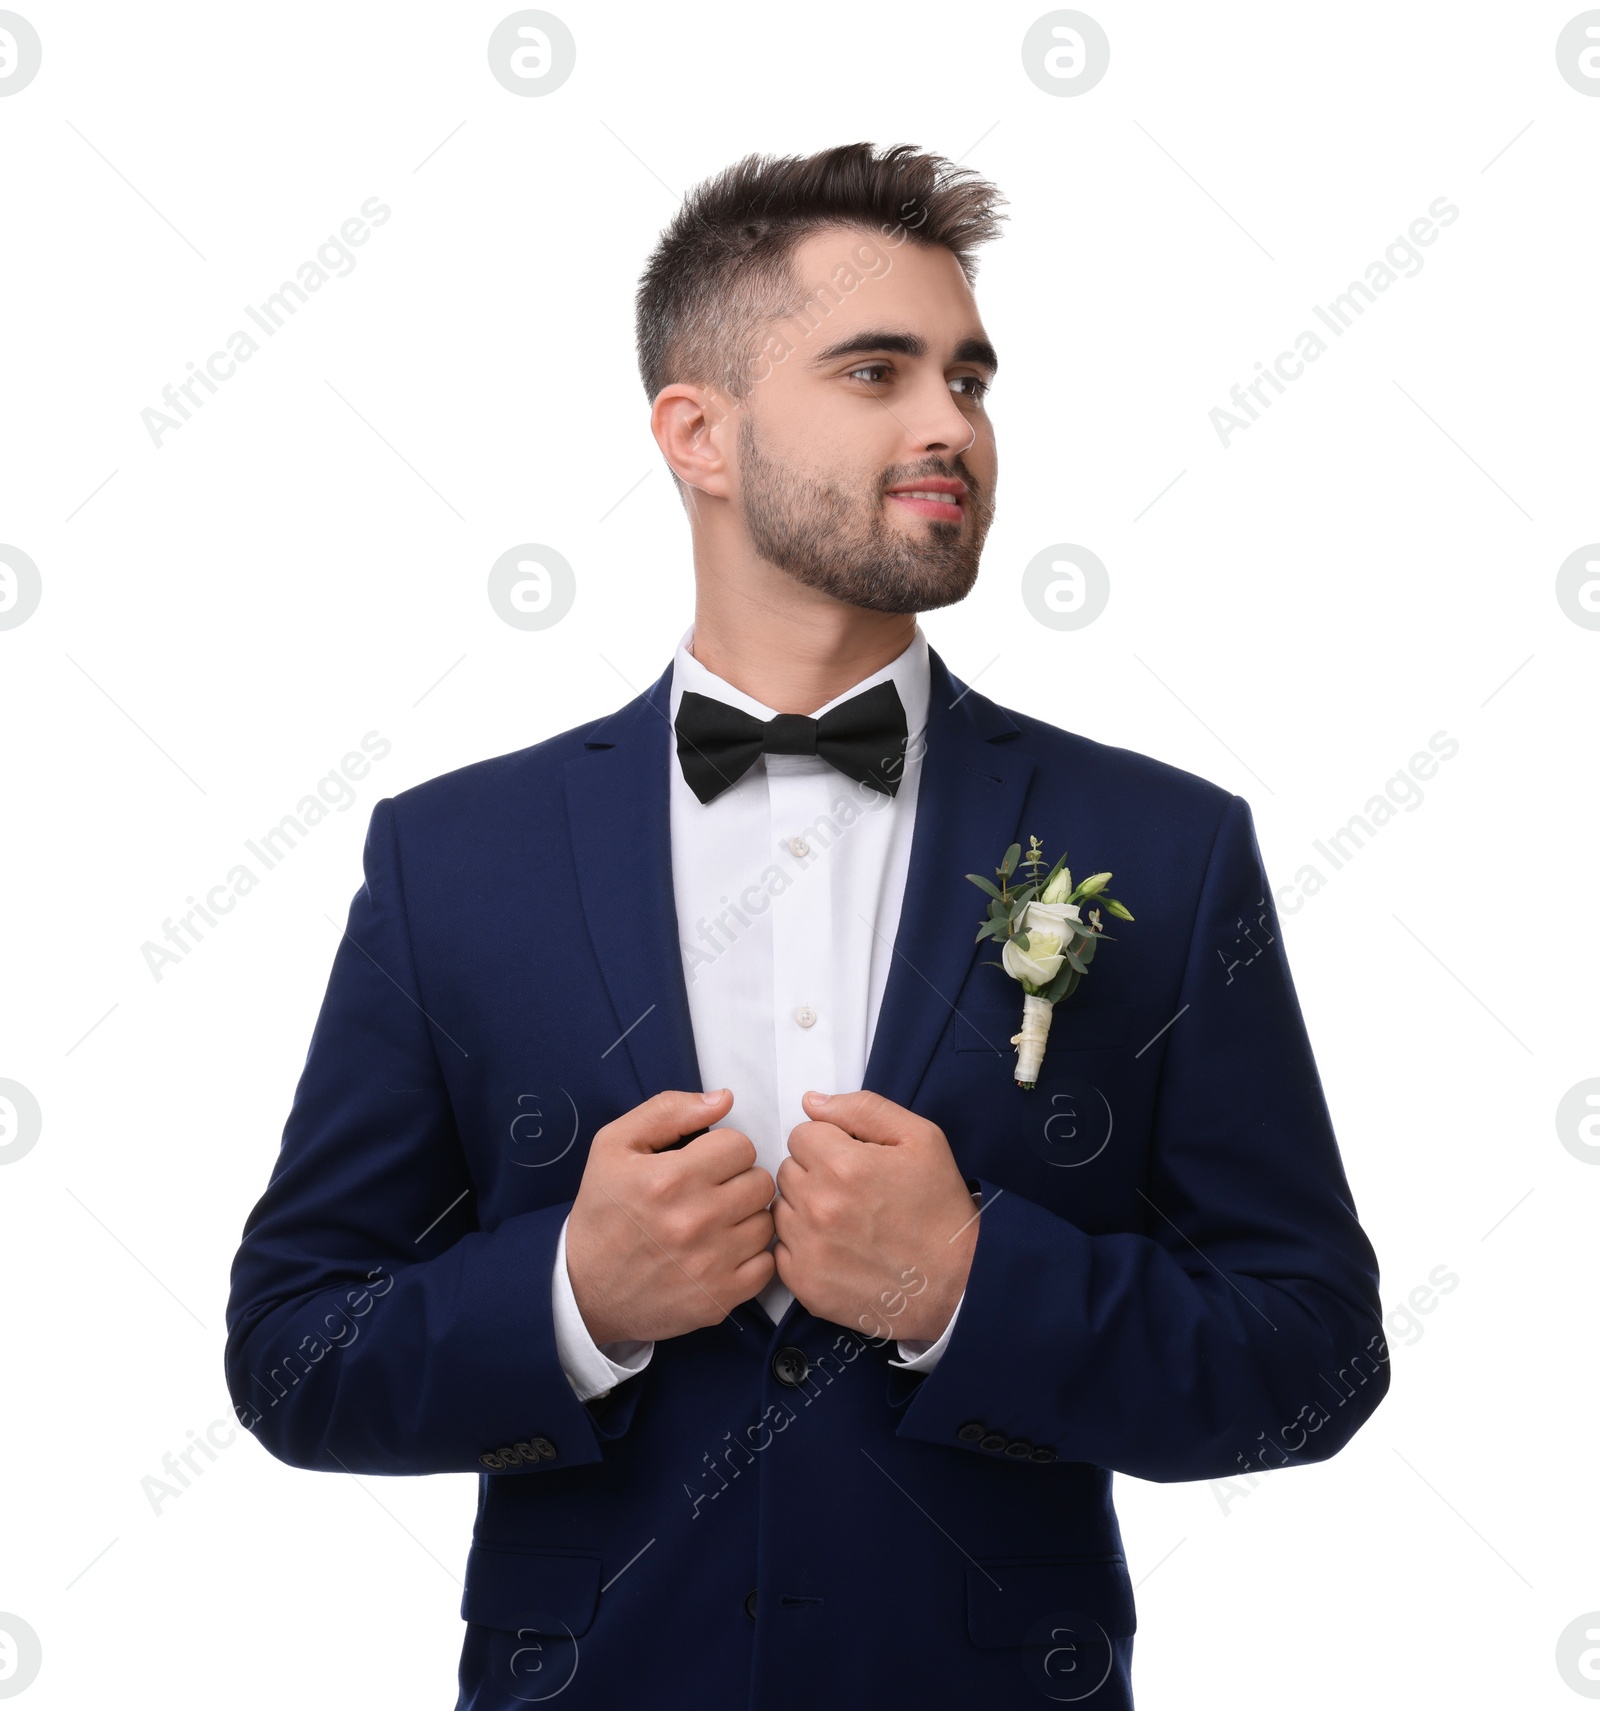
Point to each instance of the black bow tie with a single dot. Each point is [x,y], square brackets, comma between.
[864,737]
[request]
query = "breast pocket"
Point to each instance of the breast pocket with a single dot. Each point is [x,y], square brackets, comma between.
[988,1024]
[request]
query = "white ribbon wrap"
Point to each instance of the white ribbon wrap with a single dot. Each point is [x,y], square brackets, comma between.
[1036,1013]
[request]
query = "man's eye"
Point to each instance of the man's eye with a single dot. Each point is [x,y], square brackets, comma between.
[869,368]
[979,386]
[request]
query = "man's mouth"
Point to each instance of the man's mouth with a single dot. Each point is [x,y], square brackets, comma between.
[940,500]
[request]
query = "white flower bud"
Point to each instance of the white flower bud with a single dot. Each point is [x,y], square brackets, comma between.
[1059,888]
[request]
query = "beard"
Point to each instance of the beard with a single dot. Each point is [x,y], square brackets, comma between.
[839,540]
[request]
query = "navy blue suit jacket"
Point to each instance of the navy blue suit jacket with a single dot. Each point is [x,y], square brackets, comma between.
[1169,1278]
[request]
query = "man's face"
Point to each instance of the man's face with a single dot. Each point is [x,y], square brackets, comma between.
[865,397]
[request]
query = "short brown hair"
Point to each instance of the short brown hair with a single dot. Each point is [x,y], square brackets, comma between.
[721,270]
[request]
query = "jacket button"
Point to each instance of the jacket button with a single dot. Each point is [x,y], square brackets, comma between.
[1042,1453]
[750,1604]
[491,1460]
[509,1456]
[526,1451]
[790,1366]
[972,1431]
[1018,1448]
[995,1442]
[543,1447]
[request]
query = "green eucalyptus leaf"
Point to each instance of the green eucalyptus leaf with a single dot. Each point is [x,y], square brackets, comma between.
[1009,865]
[984,884]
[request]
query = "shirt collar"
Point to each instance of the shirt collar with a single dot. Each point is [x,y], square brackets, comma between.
[908,672]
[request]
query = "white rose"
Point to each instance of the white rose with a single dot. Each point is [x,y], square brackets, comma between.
[1045,925]
[1049,918]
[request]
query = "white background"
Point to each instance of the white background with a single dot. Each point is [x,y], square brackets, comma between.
[306,560]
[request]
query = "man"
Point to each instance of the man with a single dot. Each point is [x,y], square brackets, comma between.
[821,1404]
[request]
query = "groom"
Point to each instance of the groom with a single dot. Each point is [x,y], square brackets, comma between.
[658,1155]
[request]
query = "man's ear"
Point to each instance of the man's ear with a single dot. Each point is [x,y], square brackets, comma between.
[693,426]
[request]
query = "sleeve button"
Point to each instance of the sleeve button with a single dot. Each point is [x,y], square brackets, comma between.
[994,1442]
[1042,1453]
[972,1431]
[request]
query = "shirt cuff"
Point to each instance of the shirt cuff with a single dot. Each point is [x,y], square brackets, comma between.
[591,1368]
[921,1355]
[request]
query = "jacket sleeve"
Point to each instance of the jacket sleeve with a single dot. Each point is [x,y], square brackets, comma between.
[1241,1328]
[372,1326]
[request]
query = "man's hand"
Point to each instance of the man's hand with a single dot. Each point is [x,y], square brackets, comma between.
[876,1228]
[660,1243]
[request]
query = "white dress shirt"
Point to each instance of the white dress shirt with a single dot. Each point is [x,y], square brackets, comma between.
[788,888]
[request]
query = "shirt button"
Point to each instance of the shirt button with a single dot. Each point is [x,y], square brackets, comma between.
[805,1015]
[799,847]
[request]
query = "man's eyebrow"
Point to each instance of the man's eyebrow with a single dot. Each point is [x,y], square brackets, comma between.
[978,351]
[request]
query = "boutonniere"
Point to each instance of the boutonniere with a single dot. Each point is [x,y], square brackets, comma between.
[1045,942]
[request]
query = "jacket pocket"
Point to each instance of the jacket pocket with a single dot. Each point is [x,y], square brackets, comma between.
[987,1026]
[540,1591]
[1067,1603]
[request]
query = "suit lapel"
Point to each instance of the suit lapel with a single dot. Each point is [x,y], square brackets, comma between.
[620,823]
[970,799]
[969,804]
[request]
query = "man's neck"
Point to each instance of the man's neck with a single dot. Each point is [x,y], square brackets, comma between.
[797,664]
